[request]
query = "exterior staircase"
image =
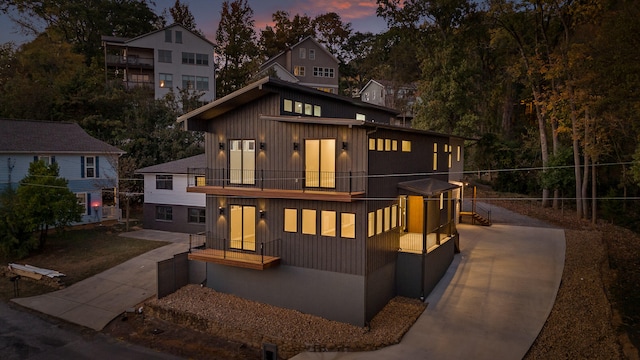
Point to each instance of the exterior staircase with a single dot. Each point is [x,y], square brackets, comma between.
[476,218]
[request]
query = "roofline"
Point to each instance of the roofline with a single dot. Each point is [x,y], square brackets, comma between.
[63,152]
[272,59]
[128,40]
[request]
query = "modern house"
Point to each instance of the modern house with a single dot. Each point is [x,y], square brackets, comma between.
[401,97]
[167,204]
[162,61]
[89,165]
[306,63]
[315,202]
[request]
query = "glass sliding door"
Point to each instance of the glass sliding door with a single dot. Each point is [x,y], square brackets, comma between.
[320,163]
[243,227]
[242,161]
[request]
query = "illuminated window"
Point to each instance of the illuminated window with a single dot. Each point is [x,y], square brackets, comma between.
[298,108]
[200,180]
[308,221]
[288,105]
[290,220]
[458,154]
[387,145]
[406,146]
[166,80]
[317,110]
[435,156]
[394,145]
[371,224]
[242,161]
[308,109]
[372,144]
[242,225]
[394,216]
[348,225]
[379,223]
[387,218]
[298,71]
[380,144]
[328,223]
[441,201]
[361,117]
[320,163]
[450,155]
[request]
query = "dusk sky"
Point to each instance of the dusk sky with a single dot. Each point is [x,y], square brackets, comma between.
[360,13]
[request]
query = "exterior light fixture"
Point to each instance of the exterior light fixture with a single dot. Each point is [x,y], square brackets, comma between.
[221,210]
[296,146]
[221,146]
[263,146]
[263,214]
[345,145]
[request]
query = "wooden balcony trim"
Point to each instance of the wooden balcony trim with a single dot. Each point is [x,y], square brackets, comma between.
[277,193]
[241,260]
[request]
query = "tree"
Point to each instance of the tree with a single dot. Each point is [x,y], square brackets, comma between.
[45,199]
[16,235]
[284,33]
[182,15]
[82,23]
[332,33]
[235,47]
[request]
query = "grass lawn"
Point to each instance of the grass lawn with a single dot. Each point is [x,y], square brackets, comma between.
[78,254]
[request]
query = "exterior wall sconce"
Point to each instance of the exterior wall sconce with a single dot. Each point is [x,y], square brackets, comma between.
[263,146]
[296,146]
[221,146]
[263,214]
[345,145]
[221,210]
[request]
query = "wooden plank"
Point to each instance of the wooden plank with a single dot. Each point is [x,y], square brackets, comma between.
[242,260]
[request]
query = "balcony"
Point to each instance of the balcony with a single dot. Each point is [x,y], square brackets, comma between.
[132,62]
[324,186]
[220,251]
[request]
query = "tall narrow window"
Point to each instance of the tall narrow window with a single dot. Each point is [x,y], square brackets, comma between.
[178,37]
[243,227]
[167,36]
[242,161]
[82,201]
[379,221]
[90,166]
[435,156]
[312,54]
[371,224]
[458,154]
[303,53]
[320,163]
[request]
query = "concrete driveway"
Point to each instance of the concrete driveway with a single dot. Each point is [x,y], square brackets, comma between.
[95,301]
[491,303]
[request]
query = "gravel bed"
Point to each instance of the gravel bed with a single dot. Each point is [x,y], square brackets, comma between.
[254,324]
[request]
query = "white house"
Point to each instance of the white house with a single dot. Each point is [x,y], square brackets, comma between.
[165,59]
[167,204]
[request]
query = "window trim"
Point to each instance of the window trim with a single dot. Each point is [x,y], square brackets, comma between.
[92,167]
[200,217]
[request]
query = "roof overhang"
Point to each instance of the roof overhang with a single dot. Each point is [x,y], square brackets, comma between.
[427,187]
[314,120]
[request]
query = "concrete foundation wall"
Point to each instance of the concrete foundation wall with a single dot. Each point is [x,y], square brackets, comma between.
[381,288]
[331,295]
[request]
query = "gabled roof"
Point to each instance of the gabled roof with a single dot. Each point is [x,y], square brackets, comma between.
[31,136]
[176,167]
[266,64]
[115,40]
[386,84]
[280,70]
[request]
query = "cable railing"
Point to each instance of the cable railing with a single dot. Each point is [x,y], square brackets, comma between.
[350,181]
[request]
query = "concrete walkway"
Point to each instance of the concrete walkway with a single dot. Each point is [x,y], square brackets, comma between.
[95,301]
[491,303]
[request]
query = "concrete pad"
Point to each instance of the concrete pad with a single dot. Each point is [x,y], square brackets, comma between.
[47,304]
[120,298]
[85,290]
[491,303]
[89,316]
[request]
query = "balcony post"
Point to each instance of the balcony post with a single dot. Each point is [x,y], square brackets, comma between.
[262,179]
[262,252]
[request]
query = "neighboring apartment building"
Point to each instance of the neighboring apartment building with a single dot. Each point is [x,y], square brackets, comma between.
[306,63]
[167,205]
[163,60]
[316,203]
[401,97]
[89,165]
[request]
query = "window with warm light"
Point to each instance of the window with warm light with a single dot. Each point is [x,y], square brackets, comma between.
[288,105]
[200,181]
[308,109]
[242,224]
[435,156]
[387,144]
[458,154]
[406,146]
[166,80]
[394,145]
[298,71]
[362,117]
[379,224]
[380,144]
[372,144]
[371,224]
[308,221]
[328,223]
[387,218]
[317,110]
[394,216]
[242,161]
[298,108]
[320,163]
[291,220]
[348,225]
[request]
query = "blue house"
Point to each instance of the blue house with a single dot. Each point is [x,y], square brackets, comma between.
[90,165]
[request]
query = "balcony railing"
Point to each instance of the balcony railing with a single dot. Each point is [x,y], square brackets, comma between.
[347,182]
[129,61]
[263,255]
